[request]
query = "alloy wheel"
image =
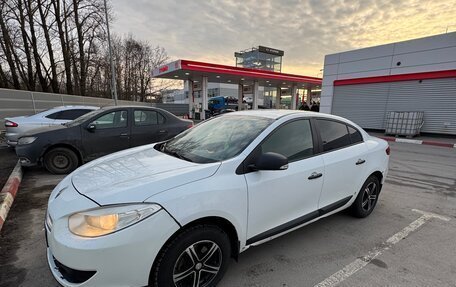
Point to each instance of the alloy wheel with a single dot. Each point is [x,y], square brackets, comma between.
[369,196]
[198,265]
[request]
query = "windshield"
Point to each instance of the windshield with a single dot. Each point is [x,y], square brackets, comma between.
[83,118]
[217,139]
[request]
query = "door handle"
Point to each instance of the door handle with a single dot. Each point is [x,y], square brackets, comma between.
[124,135]
[315,175]
[162,131]
[360,161]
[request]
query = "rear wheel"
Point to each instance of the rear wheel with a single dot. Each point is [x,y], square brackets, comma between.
[60,160]
[197,257]
[367,198]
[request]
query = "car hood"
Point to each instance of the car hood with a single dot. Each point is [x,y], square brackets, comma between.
[45,129]
[136,174]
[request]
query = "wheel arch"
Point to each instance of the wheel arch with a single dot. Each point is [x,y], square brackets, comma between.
[218,221]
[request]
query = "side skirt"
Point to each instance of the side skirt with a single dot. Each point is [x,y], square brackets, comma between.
[298,221]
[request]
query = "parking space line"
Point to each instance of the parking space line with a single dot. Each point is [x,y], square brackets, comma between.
[360,263]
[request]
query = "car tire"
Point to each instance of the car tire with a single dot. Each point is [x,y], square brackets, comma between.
[201,250]
[60,160]
[367,198]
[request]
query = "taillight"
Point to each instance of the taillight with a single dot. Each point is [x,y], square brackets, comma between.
[10,124]
[190,125]
[388,150]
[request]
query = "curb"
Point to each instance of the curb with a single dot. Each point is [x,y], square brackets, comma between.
[433,143]
[9,192]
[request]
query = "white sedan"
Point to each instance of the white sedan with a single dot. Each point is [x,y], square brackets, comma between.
[173,213]
[18,126]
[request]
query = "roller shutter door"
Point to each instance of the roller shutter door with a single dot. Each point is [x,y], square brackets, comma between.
[367,104]
[363,104]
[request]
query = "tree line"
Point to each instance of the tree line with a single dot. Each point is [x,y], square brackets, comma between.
[60,46]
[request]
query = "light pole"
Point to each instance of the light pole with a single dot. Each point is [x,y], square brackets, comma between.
[113,70]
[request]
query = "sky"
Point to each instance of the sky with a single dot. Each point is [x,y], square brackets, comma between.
[211,31]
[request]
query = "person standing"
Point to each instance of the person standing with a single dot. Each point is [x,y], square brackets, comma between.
[314,107]
[304,106]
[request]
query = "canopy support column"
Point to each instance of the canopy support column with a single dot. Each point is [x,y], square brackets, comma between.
[255,95]
[240,97]
[294,97]
[277,99]
[191,100]
[309,96]
[204,98]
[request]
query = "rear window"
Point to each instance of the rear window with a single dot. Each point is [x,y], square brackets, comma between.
[53,116]
[72,114]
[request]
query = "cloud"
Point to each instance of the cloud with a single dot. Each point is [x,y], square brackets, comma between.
[210,30]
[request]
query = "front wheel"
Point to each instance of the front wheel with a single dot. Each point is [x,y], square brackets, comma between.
[197,257]
[367,198]
[60,160]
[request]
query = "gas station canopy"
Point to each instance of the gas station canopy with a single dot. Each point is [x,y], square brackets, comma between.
[215,73]
[199,74]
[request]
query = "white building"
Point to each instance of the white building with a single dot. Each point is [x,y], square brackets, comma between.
[415,75]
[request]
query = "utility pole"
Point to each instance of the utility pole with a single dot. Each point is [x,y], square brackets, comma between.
[113,70]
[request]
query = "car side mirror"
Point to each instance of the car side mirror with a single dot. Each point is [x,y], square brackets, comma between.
[270,161]
[91,127]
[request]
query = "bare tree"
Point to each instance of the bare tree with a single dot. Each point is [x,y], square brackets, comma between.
[7,46]
[60,46]
[45,10]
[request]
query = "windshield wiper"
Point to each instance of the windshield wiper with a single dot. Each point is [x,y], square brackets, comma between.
[175,154]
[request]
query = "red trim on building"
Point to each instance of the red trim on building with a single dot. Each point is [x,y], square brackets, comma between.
[245,72]
[397,78]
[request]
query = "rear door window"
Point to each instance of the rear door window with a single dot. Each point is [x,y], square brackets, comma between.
[146,118]
[334,135]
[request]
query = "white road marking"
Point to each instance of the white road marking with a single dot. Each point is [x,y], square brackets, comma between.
[399,140]
[360,263]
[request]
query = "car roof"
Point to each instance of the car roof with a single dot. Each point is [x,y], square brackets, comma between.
[127,106]
[277,114]
[274,114]
[69,107]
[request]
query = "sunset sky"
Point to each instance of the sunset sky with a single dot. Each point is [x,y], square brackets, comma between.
[209,30]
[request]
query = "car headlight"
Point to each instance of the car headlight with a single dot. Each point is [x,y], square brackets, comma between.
[26,140]
[106,220]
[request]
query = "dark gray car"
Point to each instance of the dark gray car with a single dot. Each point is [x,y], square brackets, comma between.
[61,149]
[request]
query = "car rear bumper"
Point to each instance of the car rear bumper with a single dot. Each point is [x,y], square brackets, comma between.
[11,138]
[11,143]
[123,258]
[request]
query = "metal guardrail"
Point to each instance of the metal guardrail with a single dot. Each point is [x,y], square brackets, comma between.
[21,103]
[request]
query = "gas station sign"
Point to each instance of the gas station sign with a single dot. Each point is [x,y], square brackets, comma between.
[173,66]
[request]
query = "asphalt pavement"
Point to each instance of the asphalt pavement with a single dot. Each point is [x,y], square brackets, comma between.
[409,250]
[8,160]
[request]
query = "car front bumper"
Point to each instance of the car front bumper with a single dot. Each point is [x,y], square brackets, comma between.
[29,154]
[123,258]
